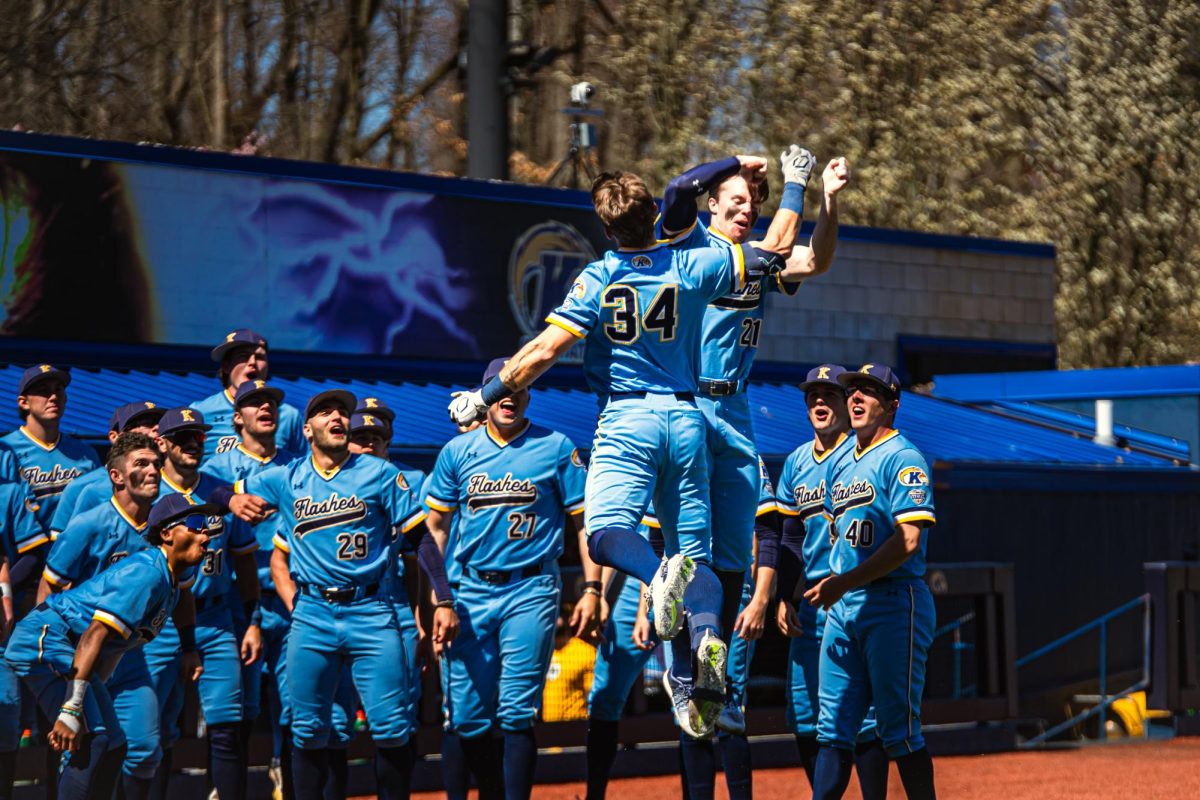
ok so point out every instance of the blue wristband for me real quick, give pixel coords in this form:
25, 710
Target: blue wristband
793, 198
494, 391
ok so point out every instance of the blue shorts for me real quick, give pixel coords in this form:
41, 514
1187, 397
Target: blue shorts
618, 662
736, 482
495, 670
651, 448
874, 648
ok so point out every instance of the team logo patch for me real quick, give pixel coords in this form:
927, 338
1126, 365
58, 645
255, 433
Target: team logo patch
579, 288
577, 459
401, 482
642, 262
544, 264
484, 492
917, 495
913, 476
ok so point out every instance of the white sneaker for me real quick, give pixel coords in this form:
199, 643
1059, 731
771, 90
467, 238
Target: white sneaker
680, 694
666, 594
732, 719
708, 696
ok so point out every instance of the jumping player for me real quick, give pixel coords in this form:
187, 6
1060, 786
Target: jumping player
243, 357
343, 509
512, 486
38, 452
803, 486
639, 309
881, 617
65, 647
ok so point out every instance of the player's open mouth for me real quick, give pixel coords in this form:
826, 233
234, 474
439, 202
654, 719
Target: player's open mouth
821, 414
337, 430
509, 406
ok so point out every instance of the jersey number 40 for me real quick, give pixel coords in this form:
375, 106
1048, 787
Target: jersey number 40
628, 323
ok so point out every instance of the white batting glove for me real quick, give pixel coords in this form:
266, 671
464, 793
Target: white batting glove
466, 407
797, 165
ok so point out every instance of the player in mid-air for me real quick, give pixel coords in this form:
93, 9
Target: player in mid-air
881, 616
64, 649
639, 308
803, 486
243, 357
329, 566
499, 499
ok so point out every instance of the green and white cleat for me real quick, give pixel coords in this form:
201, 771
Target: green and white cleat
666, 594
708, 696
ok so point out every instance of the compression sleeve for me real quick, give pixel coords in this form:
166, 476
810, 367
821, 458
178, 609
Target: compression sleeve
766, 528
681, 194
791, 558
434, 565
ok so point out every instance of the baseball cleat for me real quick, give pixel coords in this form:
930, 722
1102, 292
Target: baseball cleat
666, 594
708, 696
679, 692
732, 719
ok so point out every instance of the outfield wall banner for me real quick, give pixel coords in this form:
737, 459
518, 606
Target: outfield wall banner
132, 252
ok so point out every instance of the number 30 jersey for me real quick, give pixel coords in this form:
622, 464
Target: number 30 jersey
870, 492
343, 521
641, 313
511, 498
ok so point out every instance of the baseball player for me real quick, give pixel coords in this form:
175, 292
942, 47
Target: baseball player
243, 357
880, 613
38, 453
141, 417
803, 486
330, 570
66, 646
639, 310
512, 486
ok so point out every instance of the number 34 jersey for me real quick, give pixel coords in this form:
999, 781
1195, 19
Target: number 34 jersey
641, 313
870, 492
510, 498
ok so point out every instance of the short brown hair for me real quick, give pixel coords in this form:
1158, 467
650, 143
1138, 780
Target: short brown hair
760, 192
125, 444
626, 207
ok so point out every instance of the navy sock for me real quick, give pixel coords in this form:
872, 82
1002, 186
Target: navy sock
601, 752
108, 773
455, 776
831, 775
683, 781
310, 771
735, 758
226, 769
871, 766
807, 747
916, 773
285, 763
624, 549
699, 766
393, 771
162, 776
133, 788
681, 658
8, 773
520, 760
703, 601
339, 775
482, 753
731, 599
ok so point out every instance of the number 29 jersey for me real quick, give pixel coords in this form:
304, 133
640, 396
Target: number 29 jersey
870, 492
641, 313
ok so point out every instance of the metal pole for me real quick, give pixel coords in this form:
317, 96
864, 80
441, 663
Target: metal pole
487, 92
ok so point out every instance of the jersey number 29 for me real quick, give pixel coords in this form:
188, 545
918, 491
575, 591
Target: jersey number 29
626, 328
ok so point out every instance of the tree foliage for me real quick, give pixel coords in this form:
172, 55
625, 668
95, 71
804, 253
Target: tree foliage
1067, 121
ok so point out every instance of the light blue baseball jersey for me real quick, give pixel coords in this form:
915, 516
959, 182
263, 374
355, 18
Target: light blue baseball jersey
92, 542
134, 599
342, 521
803, 486
77, 497
637, 309
511, 498
48, 468
873, 490
22, 533
732, 322
218, 412
214, 575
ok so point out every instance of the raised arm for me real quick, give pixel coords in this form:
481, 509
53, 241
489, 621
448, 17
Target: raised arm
796, 164
817, 257
681, 194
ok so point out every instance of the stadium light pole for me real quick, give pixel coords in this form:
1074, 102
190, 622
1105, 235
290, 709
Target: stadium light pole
487, 90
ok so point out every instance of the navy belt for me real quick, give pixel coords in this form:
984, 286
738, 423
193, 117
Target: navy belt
339, 594
721, 388
685, 396
499, 577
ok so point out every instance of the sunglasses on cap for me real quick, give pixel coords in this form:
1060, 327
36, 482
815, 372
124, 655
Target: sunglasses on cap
195, 522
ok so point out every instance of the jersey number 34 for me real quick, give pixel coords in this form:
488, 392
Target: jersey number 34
628, 322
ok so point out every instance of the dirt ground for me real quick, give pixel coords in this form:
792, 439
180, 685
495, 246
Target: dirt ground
1160, 770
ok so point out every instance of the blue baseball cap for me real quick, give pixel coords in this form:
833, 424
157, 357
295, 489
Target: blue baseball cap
371, 422
41, 372
345, 399
826, 374
493, 369
127, 413
880, 375
255, 387
175, 508
181, 419
375, 407
241, 337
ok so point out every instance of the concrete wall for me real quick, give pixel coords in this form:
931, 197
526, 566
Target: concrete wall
875, 292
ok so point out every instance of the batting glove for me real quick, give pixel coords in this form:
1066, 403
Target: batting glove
466, 407
797, 165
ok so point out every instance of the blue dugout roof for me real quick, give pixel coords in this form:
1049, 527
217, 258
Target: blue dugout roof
944, 431
1080, 384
